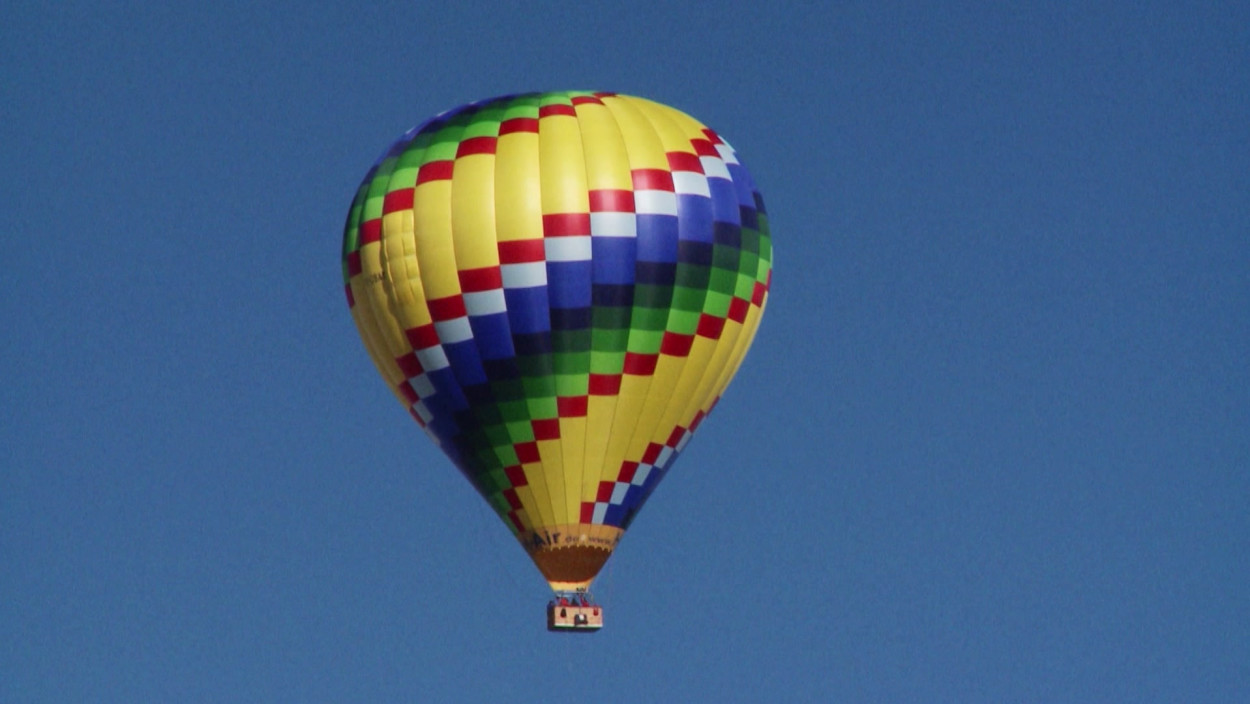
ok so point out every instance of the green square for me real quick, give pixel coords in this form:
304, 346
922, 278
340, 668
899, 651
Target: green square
513, 411
485, 126
717, 304
726, 257
506, 455
652, 296
533, 365
746, 286
543, 407
650, 318
691, 276
497, 435
645, 341
520, 431
538, 387
607, 362
610, 317
688, 299
572, 384
554, 99
525, 106
684, 322
722, 281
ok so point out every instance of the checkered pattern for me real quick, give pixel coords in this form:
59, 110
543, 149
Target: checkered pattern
497, 334
617, 502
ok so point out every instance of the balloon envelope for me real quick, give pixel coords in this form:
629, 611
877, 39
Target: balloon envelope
559, 287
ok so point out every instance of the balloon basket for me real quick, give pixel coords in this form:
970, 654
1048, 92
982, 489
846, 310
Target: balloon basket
575, 614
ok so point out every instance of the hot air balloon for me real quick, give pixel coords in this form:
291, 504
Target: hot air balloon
558, 287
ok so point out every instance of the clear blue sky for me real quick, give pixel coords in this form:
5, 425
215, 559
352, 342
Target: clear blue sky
992, 443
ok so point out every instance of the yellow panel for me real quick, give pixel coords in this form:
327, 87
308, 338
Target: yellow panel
629, 404
518, 195
722, 358
473, 212
539, 496
600, 413
563, 168
607, 162
667, 373
696, 367
551, 474
573, 439
432, 231
672, 136
645, 151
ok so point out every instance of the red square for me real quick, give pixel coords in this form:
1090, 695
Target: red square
640, 364
527, 452
711, 326
566, 224
757, 295
628, 469
698, 418
370, 231
588, 511
605, 384
483, 279
353, 263
409, 365
556, 109
676, 345
571, 406
521, 251
610, 200
702, 147
516, 475
675, 436
422, 337
435, 171
605, 492
546, 428
684, 161
513, 500
652, 454
397, 200
476, 145
738, 309
518, 124
652, 180
405, 389
447, 308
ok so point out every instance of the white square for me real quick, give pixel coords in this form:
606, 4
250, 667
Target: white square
641, 474
433, 358
613, 225
421, 385
618, 493
568, 249
527, 275
714, 168
485, 302
691, 184
454, 330
655, 202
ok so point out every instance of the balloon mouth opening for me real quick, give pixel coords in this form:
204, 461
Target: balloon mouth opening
570, 556
571, 568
